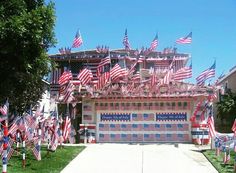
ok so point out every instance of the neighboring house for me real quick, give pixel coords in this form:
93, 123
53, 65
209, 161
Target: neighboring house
228, 81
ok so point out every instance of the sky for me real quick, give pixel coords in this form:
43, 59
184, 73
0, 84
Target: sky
103, 22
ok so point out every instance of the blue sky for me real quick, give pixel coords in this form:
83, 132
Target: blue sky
103, 22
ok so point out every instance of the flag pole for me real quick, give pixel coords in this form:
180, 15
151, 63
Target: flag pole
5, 140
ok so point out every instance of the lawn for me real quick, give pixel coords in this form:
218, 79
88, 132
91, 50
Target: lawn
217, 161
52, 162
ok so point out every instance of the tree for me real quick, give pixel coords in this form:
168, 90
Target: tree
227, 107
26, 33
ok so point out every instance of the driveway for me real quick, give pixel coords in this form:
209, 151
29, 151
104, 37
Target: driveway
137, 158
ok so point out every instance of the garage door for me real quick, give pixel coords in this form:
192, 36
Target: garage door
143, 127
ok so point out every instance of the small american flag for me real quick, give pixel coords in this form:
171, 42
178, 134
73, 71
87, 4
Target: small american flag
137, 117
126, 41
154, 43
36, 152
78, 40
182, 127
103, 127
185, 40
4, 108
148, 117
104, 137
114, 127
67, 128
211, 125
125, 127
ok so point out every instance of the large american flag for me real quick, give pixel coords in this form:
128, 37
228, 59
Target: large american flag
126, 41
206, 74
183, 73
185, 40
154, 43
85, 76
77, 40
65, 77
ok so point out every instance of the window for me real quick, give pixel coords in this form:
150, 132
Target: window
111, 104
158, 135
179, 104
185, 104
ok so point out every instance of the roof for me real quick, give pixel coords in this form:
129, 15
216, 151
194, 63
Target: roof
231, 72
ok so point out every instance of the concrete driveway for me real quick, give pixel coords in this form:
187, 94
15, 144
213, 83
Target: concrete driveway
136, 158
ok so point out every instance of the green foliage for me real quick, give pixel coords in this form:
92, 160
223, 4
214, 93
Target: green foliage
52, 162
26, 33
227, 107
217, 161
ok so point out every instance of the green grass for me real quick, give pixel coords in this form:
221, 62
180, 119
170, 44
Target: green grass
52, 162
217, 161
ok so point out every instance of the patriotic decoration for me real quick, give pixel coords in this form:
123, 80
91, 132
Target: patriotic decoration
211, 125
183, 73
154, 43
85, 76
126, 41
65, 77
67, 128
78, 40
102, 64
4, 108
185, 40
206, 74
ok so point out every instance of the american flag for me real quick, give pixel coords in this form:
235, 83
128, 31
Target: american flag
183, 73
125, 127
65, 77
103, 127
137, 137
154, 43
115, 137
114, 127
211, 125
85, 76
148, 137
234, 127
185, 40
102, 80
126, 137
101, 65
36, 152
4, 108
167, 78
87, 108
137, 117
67, 128
206, 74
14, 126
104, 137
126, 41
148, 117
182, 127
117, 72
77, 40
